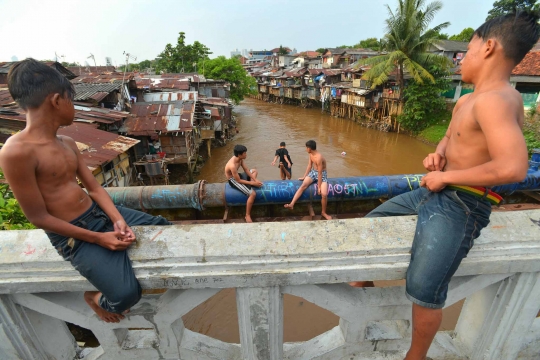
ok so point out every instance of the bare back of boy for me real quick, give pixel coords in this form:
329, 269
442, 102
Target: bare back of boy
46, 174
319, 162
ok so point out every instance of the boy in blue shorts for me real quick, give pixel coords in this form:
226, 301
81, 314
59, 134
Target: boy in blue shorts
483, 147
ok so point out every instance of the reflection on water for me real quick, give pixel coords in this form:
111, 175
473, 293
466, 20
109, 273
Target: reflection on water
368, 152
262, 127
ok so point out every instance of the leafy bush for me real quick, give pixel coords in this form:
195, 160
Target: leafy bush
11, 215
423, 104
531, 140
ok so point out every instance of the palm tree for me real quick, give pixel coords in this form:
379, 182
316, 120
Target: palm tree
406, 43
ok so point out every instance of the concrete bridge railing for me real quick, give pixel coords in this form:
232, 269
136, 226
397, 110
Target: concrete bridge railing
500, 280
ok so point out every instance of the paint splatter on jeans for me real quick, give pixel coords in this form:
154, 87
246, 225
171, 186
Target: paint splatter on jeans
448, 223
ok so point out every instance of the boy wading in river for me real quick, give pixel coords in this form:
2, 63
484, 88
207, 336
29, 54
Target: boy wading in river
483, 147
315, 172
242, 182
42, 169
285, 163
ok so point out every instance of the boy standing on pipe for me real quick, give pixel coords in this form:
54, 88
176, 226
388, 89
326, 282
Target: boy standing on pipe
42, 169
242, 182
315, 172
483, 147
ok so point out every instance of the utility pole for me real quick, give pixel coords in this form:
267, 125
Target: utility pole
122, 91
92, 56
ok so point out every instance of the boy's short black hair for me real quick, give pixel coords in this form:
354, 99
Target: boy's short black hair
282, 143
517, 33
31, 81
311, 144
239, 150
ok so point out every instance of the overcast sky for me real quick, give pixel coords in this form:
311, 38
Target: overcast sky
74, 28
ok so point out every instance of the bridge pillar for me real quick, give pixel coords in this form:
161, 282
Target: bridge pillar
260, 316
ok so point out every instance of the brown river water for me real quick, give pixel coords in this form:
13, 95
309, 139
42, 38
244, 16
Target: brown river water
369, 152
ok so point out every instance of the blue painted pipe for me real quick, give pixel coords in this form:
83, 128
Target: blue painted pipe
350, 188
201, 195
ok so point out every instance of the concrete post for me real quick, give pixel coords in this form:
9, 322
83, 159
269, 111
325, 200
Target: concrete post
260, 316
21, 330
494, 321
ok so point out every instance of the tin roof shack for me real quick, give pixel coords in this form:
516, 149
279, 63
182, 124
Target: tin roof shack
220, 112
350, 56
213, 88
104, 153
106, 95
453, 50
330, 57
104, 119
5, 66
526, 78
164, 82
91, 70
170, 123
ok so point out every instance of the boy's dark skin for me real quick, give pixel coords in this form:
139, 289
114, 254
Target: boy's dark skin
317, 162
282, 172
231, 171
42, 169
483, 146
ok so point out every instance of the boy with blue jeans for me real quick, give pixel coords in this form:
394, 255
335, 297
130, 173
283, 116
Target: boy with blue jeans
42, 169
483, 147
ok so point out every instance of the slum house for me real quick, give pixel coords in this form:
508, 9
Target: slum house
330, 57
104, 153
91, 70
104, 95
213, 88
172, 124
312, 78
351, 56
5, 66
220, 113
454, 51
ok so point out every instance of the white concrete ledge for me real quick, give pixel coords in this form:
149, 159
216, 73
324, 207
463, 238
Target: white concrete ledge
269, 254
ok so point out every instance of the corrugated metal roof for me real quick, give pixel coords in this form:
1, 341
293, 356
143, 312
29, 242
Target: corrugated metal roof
160, 83
103, 78
85, 70
99, 146
155, 117
451, 45
171, 96
97, 92
5, 97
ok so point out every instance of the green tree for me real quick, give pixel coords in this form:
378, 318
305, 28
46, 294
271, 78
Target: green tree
181, 57
503, 7
465, 35
11, 215
320, 50
423, 104
282, 51
442, 36
231, 71
407, 41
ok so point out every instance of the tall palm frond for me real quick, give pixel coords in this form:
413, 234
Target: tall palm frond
407, 41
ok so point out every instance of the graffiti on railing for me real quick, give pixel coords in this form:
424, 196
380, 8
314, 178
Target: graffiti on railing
411, 179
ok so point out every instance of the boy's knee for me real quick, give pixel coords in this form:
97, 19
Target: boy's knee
127, 297
160, 220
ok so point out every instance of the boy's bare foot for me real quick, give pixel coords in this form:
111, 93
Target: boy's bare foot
288, 206
92, 299
362, 284
326, 216
248, 219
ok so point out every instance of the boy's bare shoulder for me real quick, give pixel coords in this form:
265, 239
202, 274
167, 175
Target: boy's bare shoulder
493, 102
16, 149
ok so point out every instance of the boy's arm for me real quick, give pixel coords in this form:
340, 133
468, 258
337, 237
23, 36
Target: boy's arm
99, 195
308, 169
318, 165
236, 176
497, 117
19, 166
275, 159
